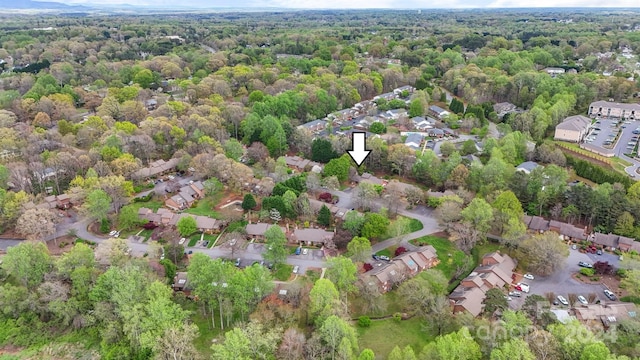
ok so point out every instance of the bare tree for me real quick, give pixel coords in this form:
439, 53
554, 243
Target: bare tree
37, 224
293, 345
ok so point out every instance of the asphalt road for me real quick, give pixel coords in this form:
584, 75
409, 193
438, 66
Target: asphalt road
561, 282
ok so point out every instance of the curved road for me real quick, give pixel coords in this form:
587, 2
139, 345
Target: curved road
253, 252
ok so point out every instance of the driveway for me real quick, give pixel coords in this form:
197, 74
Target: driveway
561, 282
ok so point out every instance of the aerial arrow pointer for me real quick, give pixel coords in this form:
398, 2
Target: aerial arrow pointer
358, 144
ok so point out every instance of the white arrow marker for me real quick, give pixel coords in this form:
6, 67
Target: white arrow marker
358, 150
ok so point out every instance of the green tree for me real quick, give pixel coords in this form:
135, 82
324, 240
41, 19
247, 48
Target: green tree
80, 256
454, 346
97, 204
322, 151
353, 222
514, 349
494, 300
479, 214
402, 354
324, 216
375, 225
237, 345
456, 106
128, 218
186, 225
249, 202
28, 262
416, 108
338, 167
334, 332
324, 300
359, 248
276, 241
595, 351
367, 354
144, 78
378, 128
233, 149
624, 225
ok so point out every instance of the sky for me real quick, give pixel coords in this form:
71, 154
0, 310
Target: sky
366, 4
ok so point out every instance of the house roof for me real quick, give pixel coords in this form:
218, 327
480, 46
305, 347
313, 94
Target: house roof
597, 311
314, 123
436, 131
575, 123
539, 223
156, 167
468, 298
257, 229
610, 240
428, 251
312, 235
385, 273
527, 166
572, 231
408, 261
437, 109
607, 104
205, 222
414, 138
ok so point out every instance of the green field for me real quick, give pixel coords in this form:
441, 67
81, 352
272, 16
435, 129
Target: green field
383, 335
282, 272
203, 207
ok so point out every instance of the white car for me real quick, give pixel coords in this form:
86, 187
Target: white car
295, 269
113, 232
508, 298
528, 276
562, 300
116, 234
182, 241
582, 300
305, 251
522, 287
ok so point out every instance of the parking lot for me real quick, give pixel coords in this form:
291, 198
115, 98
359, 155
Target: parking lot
561, 282
604, 131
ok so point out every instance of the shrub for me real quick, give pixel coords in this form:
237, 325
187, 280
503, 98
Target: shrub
367, 267
104, 226
397, 317
364, 321
587, 272
401, 250
143, 198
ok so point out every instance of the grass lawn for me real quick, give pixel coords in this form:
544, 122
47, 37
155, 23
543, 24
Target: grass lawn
393, 305
415, 225
448, 254
383, 335
146, 234
151, 204
282, 272
385, 252
203, 207
211, 239
206, 333
194, 239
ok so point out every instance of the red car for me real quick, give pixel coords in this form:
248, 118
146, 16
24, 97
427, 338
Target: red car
519, 288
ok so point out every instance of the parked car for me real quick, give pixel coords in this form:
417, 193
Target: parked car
384, 257
238, 262
206, 243
585, 265
117, 234
305, 251
522, 287
528, 276
515, 293
375, 257
608, 293
582, 300
295, 269
298, 250
599, 252
562, 300
182, 241
508, 298
113, 232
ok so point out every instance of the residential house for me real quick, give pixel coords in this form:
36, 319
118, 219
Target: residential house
344, 114
155, 168
494, 271
314, 126
554, 71
62, 202
185, 197
438, 112
315, 237
504, 108
607, 314
369, 178
573, 129
422, 124
181, 283
437, 133
385, 276
414, 141
609, 241
539, 224
402, 89
387, 96
572, 233
614, 110
527, 167
301, 164
256, 231
165, 217
405, 265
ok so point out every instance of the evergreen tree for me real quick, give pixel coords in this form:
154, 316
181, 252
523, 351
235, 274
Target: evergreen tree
249, 202
324, 216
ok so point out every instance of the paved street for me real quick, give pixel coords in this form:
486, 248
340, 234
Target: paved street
561, 282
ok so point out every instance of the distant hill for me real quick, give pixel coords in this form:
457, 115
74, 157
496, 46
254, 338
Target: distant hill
30, 4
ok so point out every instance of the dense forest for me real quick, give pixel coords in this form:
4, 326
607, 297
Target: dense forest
87, 102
